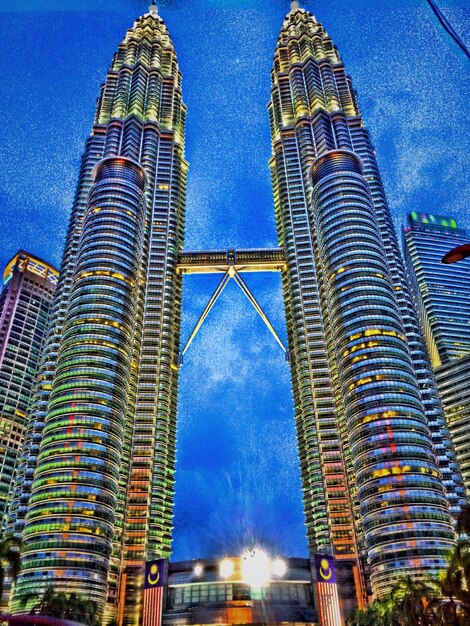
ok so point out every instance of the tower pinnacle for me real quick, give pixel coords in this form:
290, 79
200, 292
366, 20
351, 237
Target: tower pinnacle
294, 5
153, 9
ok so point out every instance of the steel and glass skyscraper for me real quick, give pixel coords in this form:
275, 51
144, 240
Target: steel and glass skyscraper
95, 489
442, 294
452, 382
442, 291
377, 465
25, 301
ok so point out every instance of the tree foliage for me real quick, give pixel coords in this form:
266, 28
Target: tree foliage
9, 559
68, 606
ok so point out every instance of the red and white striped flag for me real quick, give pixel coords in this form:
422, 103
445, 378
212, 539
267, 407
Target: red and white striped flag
329, 613
153, 593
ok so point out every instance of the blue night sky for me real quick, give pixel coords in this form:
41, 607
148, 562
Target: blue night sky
237, 471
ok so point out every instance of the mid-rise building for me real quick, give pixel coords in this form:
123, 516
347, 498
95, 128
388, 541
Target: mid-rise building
205, 596
25, 300
251, 589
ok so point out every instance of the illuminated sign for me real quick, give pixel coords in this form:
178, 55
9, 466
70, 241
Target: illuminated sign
436, 220
326, 591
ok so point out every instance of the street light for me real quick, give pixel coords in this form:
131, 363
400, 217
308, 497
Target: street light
457, 254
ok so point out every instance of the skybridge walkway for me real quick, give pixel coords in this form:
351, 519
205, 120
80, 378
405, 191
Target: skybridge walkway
231, 263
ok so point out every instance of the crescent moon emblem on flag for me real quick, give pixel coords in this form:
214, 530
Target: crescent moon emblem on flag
154, 575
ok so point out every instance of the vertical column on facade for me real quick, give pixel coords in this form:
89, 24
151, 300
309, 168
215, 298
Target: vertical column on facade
407, 525
150, 497
303, 325
70, 522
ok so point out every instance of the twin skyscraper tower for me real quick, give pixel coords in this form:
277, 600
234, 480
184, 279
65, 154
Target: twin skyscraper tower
94, 492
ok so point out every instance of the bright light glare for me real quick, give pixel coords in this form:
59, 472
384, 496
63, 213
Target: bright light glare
256, 568
198, 570
226, 568
279, 568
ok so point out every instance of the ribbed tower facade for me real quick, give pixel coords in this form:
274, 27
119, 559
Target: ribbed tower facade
94, 497
377, 465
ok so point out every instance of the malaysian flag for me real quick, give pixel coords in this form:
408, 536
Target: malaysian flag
327, 591
153, 593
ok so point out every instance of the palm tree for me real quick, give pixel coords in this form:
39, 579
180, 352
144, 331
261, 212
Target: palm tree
463, 521
409, 603
364, 617
410, 600
379, 613
81, 610
458, 576
9, 559
52, 604
445, 607
455, 582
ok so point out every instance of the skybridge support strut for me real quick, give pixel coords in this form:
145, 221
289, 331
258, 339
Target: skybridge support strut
244, 287
232, 273
215, 296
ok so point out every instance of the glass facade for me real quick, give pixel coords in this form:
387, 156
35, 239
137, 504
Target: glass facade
223, 592
94, 495
25, 301
93, 499
442, 291
402, 500
442, 294
75, 487
452, 381
377, 466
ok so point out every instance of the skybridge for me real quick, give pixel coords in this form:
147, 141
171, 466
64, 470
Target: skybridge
231, 263
219, 261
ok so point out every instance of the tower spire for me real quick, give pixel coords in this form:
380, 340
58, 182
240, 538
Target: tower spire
153, 10
294, 5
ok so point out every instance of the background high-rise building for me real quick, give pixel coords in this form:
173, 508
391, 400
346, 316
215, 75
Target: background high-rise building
452, 382
442, 294
442, 291
369, 420
25, 300
94, 497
